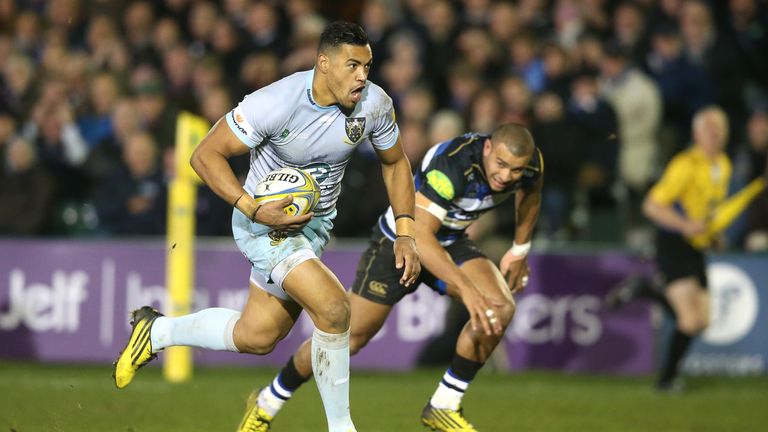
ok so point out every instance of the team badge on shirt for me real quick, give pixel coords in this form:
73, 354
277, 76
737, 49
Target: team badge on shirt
354, 127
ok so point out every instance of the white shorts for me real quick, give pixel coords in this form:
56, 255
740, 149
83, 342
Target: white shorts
273, 254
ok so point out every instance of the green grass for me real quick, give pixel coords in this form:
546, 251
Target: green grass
82, 399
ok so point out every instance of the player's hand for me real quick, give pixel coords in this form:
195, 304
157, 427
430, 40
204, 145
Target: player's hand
515, 270
272, 215
482, 313
694, 228
407, 258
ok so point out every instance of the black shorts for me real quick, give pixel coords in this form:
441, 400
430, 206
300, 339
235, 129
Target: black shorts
677, 259
378, 280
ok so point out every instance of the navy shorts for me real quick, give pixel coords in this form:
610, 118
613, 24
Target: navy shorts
378, 280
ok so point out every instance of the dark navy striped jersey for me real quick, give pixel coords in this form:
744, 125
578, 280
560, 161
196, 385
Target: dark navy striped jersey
452, 176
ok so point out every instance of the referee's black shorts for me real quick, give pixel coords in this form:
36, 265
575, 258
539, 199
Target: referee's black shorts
378, 280
677, 259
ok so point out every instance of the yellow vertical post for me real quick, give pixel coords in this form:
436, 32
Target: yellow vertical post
180, 240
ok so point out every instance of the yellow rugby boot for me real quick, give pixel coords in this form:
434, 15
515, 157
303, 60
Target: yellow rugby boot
138, 351
255, 419
445, 420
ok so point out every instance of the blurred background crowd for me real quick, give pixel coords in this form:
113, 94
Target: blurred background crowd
90, 90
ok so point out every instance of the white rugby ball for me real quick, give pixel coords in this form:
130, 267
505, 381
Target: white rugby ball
289, 181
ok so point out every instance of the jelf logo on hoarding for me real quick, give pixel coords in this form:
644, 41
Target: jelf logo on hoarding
734, 304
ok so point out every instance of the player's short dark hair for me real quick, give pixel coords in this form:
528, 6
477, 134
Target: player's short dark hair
339, 33
516, 137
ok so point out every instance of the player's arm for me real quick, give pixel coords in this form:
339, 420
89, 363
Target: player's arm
657, 205
514, 263
398, 180
664, 215
429, 218
210, 162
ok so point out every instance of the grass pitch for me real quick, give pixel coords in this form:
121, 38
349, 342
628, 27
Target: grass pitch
83, 398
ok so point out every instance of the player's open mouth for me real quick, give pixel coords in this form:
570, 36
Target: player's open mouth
356, 93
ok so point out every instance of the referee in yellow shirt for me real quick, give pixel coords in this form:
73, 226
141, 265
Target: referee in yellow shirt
681, 204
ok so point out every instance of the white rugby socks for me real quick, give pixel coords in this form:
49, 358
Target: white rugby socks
272, 398
455, 382
211, 328
449, 392
330, 364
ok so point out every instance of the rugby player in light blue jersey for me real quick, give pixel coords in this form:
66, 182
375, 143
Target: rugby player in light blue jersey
311, 120
458, 181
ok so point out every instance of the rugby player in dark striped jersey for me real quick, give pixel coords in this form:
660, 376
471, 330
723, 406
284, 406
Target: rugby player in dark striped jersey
458, 181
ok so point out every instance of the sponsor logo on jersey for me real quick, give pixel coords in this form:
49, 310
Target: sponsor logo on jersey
441, 184
354, 127
320, 171
237, 120
285, 133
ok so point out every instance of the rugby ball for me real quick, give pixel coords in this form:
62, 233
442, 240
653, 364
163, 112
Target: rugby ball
289, 181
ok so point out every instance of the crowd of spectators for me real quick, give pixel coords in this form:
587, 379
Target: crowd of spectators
90, 90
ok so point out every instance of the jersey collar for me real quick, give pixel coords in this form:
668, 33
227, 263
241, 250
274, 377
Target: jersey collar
310, 99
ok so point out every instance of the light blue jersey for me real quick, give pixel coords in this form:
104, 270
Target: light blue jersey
284, 127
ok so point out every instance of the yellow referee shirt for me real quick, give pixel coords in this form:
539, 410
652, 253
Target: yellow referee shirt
694, 184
